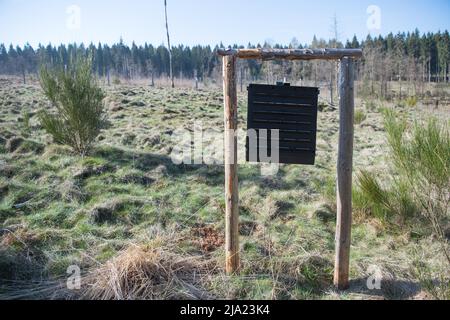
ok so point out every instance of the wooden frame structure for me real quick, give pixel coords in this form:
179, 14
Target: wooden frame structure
345, 152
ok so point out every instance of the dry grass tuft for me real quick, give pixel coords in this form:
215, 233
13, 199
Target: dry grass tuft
145, 273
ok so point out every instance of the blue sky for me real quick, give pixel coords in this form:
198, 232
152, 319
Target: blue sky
211, 21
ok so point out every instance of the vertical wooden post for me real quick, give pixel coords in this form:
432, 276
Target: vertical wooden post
231, 166
242, 79
344, 173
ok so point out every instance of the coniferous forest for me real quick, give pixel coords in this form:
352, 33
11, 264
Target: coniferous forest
411, 56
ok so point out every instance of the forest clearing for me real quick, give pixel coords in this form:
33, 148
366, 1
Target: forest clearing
139, 226
233, 159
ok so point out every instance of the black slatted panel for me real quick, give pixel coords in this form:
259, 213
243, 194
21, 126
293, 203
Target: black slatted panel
291, 110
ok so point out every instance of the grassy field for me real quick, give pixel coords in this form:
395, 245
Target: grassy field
139, 226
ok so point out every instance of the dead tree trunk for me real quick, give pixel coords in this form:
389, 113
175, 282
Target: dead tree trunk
196, 79
169, 47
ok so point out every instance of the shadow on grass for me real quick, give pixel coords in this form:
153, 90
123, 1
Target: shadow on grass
212, 175
143, 161
391, 289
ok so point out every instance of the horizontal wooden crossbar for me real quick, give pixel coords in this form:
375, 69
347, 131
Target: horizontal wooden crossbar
292, 54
